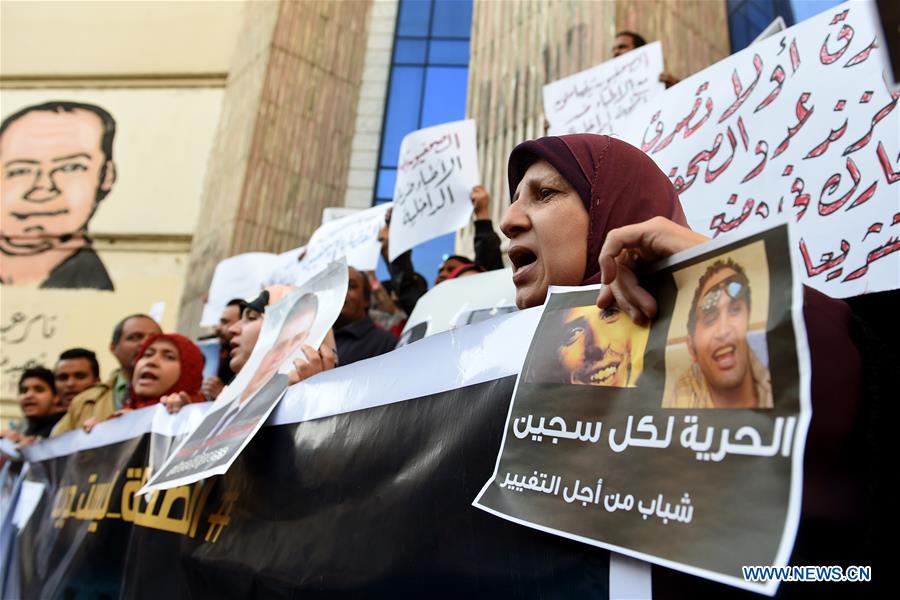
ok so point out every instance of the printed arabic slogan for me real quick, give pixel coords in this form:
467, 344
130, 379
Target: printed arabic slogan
801, 124
679, 443
595, 100
437, 169
304, 317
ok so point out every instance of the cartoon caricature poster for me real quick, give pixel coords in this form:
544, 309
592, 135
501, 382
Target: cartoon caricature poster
100, 196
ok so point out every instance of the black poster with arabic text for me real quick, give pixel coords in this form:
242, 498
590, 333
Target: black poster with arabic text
679, 442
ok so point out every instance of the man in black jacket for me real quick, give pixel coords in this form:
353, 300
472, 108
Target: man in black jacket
407, 286
356, 335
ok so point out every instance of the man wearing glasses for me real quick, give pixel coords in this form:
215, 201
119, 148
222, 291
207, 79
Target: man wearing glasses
725, 372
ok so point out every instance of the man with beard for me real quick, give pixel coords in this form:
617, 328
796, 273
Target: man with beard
725, 373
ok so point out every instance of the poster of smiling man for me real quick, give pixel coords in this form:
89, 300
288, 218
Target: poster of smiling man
609, 440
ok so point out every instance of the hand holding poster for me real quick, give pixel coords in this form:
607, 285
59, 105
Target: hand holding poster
438, 167
680, 443
801, 123
594, 100
302, 318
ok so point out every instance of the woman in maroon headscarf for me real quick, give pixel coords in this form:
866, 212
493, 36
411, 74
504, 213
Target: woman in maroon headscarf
168, 371
589, 209
568, 193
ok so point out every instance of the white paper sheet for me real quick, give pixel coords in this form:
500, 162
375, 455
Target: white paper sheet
801, 123
595, 100
438, 167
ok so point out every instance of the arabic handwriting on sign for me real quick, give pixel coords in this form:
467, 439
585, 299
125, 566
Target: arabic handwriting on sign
741, 93
430, 191
21, 326
435, 146
889, 247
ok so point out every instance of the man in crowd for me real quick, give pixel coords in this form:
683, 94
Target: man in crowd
726, 372
103, 399
626, 41
356, 335
76, 370
409, 286
57, 167
487, 243
213, 385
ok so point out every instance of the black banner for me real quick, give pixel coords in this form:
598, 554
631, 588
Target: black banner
376, 501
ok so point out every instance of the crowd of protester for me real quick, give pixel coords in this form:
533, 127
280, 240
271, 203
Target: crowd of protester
157, 368
584, 209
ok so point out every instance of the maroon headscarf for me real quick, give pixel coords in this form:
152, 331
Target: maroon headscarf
618, 184
191, 378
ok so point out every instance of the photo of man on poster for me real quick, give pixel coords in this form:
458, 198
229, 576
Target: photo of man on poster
589, 346
725, 372
258, 395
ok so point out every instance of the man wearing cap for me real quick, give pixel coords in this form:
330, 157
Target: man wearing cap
725, 372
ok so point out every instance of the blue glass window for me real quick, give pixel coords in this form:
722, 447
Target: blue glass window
411, 52
445, 95
414, 18
428, 84
748, 18
446, 52
452, 18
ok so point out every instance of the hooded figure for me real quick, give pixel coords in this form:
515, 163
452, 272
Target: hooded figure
190, 377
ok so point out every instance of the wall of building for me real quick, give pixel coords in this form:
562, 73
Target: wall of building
158, 69
283, 146
517, 48
92, 41
371, 106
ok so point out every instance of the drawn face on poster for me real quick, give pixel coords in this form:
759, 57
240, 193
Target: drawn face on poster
713, 308
584, 345
293, 333
57, 166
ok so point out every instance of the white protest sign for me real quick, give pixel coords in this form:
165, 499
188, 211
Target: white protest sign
592, 101
240, 276
286, 270
438, 167
461, 301
354, 237
801, 123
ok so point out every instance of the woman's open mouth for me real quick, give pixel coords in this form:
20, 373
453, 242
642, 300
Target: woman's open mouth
522, 260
